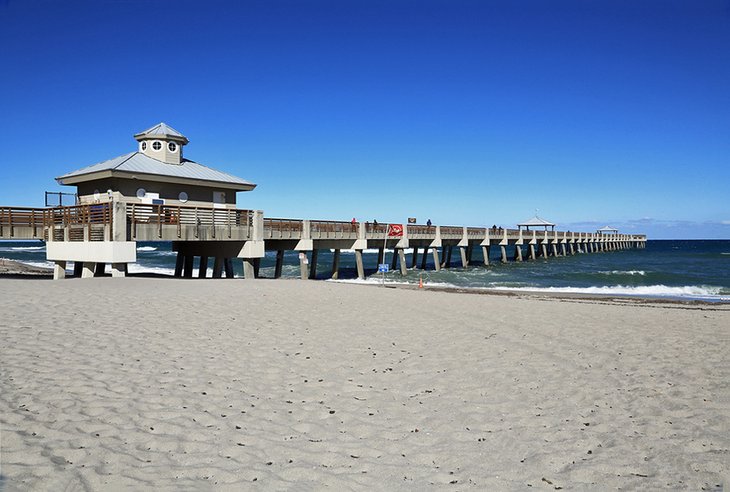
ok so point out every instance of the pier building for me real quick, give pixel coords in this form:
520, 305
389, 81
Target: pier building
156, 194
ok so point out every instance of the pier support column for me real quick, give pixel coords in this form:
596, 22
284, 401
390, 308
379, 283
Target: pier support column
179, 264
203, 267
424, 258
402, 261
78, 269
446, 260
313, 264
532, 256
555, 249
485, 254
464, 261
249, 270
518, 252
228, 265
544, 251
360, 265
303, 262
572, 249
336, 265
564, 249
394, 260
279, 263
88, 269
503, 248
469, 254
218, 267
381, 255
119, 269
414, 258
188, 267
99, 269
59, 270
256, 267
436, 261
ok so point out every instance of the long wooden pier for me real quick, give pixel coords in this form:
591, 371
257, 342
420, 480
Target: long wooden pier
95, 234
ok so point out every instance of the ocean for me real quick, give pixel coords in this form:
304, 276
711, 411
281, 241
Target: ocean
680, 269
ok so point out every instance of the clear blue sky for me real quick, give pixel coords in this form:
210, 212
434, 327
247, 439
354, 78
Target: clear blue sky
466, 112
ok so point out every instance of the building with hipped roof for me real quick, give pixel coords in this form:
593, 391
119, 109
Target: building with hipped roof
157, 173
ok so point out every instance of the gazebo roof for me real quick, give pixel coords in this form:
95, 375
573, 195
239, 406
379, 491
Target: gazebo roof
607, 229
136, 164
161, 130
536, 221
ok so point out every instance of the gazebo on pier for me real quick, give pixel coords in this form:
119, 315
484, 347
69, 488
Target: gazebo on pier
607, 230
536, 222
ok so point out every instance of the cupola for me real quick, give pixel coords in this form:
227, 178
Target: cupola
163, 143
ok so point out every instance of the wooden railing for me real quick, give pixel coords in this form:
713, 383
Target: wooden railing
283, 228
164, 217
91, 222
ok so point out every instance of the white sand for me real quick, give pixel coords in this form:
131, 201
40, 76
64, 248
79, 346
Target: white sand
162, 384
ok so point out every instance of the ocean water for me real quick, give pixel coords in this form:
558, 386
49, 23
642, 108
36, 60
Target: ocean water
686, 269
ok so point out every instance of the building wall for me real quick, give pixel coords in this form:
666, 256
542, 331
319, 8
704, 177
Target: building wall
163, 154
169, 192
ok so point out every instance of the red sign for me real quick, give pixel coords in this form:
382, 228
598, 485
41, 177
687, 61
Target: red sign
395, 230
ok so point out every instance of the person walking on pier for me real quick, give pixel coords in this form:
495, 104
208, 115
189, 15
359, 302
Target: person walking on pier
428, 223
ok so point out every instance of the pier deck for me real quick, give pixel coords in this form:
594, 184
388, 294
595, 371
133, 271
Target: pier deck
102, 233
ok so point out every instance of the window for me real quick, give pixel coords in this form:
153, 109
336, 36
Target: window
172, 146
156, 145
141, 193
143, 146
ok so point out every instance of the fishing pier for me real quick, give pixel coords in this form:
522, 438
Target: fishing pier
95, 235
155, 194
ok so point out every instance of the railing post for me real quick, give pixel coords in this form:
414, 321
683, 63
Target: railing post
159, 221
197, 223
10, 221
179, 220
118, 214
212, 218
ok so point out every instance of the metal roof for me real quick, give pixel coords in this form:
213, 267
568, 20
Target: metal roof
137, 162
607, 229
161, 129
536, 221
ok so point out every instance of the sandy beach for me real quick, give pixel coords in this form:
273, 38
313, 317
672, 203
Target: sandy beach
167, 384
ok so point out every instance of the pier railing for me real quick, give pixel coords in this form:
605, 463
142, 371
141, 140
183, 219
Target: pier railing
283, 228
91, 222
149, 222
152, 222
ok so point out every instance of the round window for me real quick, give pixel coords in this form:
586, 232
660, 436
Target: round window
143, 146
141, 193
172, 146
156, 145
183, 197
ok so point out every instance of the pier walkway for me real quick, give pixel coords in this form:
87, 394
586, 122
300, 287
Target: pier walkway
95, 234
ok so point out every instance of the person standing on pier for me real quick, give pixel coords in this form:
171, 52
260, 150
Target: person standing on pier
428, 223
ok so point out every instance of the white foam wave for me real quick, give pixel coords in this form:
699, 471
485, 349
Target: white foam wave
408, 251
689, 291
28, 248
146, 248
701, 292
623, 272
137, 268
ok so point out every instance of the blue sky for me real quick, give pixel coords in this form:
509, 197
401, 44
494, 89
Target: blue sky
466, 112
